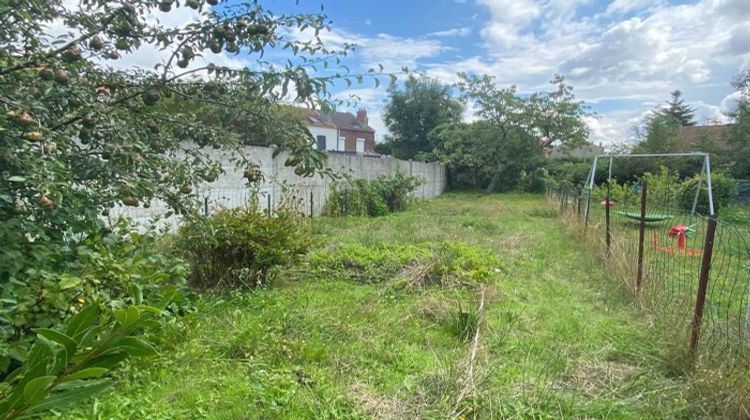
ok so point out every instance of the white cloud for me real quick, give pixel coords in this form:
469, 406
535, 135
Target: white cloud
628, 6
455, 32
655, 48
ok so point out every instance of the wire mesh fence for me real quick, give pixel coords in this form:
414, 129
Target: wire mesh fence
692, 270
308, 199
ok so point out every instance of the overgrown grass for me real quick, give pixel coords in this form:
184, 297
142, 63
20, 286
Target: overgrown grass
377, 322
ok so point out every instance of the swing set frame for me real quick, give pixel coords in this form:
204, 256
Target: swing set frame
705, 169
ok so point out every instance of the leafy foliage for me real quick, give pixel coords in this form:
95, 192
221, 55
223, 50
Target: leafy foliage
48, 283
511, 133
723, 190
66, 366
413, 112
677, 110
80, 135
241, 247
375, 197
740, 132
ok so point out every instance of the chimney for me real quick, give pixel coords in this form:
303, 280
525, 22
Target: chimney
362, 116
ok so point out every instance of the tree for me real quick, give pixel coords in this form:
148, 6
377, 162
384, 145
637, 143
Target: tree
479, 154
512, 131
658, 135
78, 136
413, 112
677, 110
739, 137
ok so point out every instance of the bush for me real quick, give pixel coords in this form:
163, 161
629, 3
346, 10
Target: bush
68, 365
107, 267
723, 190
372, 198
241, 247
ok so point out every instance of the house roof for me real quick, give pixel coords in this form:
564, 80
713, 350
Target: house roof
316, 119
347, 121
340, 120
690, 137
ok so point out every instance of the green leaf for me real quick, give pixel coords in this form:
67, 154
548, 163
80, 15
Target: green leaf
82, 320
94, 372
72, 396
58, 337
36, 389
68, 282
16, 178
134, 347
106, 361
121, 315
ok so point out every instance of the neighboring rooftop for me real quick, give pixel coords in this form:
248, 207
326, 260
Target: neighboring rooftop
340, 120
691, 137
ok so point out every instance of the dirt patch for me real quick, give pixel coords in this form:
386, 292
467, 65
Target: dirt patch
599, 377
375, 405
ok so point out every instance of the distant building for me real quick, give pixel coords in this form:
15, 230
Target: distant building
341, 131
586, 151
703, 138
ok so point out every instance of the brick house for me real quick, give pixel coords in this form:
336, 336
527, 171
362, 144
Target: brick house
353, 134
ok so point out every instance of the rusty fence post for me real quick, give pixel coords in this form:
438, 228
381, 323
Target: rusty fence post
641, 236
607, 232
700, 299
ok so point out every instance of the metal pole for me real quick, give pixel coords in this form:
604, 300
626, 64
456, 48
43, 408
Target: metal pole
591, 188
698, 190
205, 206
311, 203
607, 232
641, 236
711, 210
268, 204
700, 299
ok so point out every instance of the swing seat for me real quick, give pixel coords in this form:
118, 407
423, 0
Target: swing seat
653, 217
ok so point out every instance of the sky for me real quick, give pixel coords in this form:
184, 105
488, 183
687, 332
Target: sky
623, 57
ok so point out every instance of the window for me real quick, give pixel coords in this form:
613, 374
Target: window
342, 144
360, 145
321, 142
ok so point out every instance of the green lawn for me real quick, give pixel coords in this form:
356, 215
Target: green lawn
378, 322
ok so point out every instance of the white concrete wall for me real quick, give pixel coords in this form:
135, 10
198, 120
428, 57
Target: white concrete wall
280, 183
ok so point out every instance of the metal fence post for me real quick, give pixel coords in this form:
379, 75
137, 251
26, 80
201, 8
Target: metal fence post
607, 232
311, 203
205, 206
700, 299
641, 236
268, 204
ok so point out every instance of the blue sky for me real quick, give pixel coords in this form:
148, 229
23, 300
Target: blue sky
623, 57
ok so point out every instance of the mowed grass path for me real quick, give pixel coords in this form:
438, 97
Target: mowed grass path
557, 338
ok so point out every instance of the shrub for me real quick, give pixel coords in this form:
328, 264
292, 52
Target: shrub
106, 267
68, 365
241, 247
723, 190
372, 198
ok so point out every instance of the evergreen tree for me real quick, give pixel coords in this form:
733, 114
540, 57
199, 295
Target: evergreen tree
678, 110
